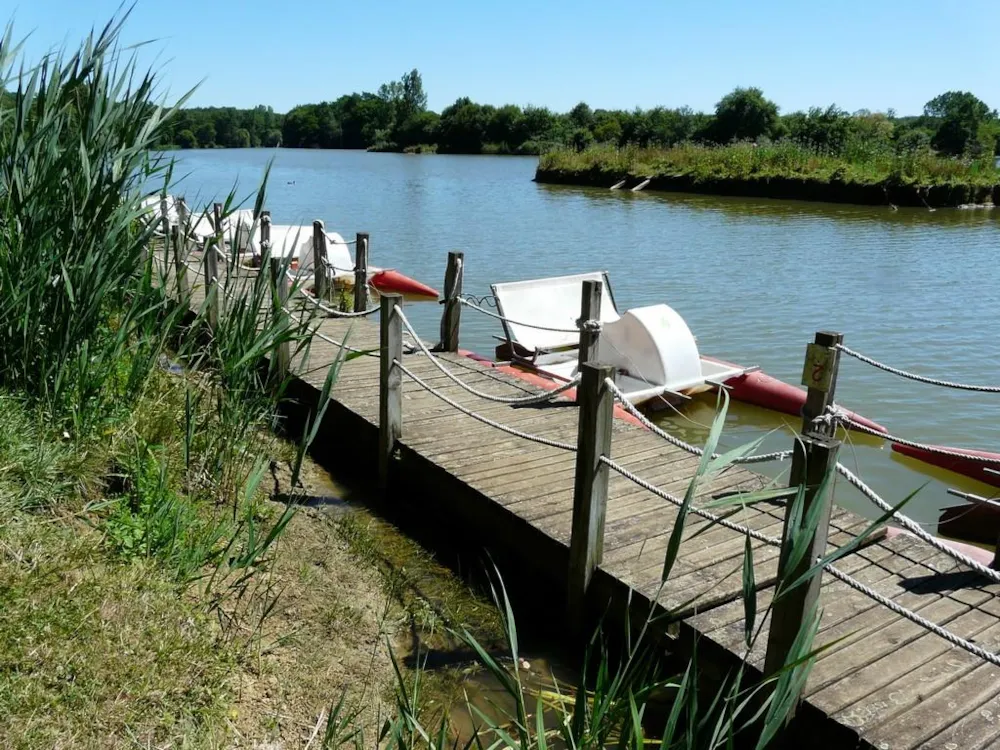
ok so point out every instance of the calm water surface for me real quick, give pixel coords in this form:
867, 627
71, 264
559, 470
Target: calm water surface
754, 279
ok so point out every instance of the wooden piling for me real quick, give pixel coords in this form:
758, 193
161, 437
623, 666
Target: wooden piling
590, 489
210, 269
265, 237
220, 239
180, 268
814, 460
361, 272
590, 309
322, 288
279, 295
451, 318
183, 221
165, 223
390, 392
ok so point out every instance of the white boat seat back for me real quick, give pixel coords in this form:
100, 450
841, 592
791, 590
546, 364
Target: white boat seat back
288, 240
654, 345
554, 303
338, 255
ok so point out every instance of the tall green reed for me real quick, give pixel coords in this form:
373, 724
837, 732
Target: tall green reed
76, 311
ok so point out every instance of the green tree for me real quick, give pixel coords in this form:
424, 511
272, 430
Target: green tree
243, 138
744, 114
206, 134
581, 139
607, 127
506, 125
961, 116
462, 129
538, 123
417, 129
582, 116
414, 100
186, 139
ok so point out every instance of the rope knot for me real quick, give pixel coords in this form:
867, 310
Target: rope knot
591, 326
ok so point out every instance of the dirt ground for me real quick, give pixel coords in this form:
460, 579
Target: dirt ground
327, 636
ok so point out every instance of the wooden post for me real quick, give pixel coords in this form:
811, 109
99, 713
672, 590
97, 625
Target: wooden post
265, 237
220, 240
590, 489
212, 289
165, 221
361, 272
279, 292
390, 392
452, 317
183, 219
319, 261
180, 269
819, 374
590, 309
814, 458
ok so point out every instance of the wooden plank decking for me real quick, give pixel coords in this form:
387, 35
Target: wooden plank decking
887, 683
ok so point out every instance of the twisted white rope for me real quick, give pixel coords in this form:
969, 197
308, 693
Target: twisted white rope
337, 313
196, 271
485, 420
692, 449
835, 572
914, 376
913, 617
586, 325
916, 529
912, 444
512, 400
774, 541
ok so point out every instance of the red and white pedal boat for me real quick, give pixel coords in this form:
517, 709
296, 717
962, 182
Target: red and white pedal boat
654, 353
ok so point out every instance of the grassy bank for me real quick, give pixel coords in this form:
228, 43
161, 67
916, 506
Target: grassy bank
782, 170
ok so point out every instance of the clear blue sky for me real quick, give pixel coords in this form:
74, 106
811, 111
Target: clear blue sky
871, 54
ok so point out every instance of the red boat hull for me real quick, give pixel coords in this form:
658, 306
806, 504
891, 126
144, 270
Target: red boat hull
968, 464
971, 523
389, 281
762, 390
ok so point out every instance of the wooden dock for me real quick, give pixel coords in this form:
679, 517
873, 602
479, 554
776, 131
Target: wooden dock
885, 683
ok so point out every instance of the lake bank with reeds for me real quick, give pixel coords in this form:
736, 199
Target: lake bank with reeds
785, 171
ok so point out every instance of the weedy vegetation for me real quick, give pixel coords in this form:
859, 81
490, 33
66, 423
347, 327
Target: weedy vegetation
863, 165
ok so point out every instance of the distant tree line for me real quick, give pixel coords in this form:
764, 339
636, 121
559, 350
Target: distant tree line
396, 118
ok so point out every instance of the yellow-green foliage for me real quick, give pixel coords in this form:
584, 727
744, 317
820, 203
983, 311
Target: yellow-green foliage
742, 161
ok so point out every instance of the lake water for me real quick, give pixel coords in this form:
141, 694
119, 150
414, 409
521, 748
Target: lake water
754, 279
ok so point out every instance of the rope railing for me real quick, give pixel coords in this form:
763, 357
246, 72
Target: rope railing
913, 617
196, 270
855, 425
857, 585
510, 400
589, 325
914, 528
914, 376
333, 312
479, 417
298, 277
694, 450
664, 495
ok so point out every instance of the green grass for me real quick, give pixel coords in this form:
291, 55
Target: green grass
746, 161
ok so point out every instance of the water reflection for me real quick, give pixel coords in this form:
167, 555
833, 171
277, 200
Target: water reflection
772, 209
